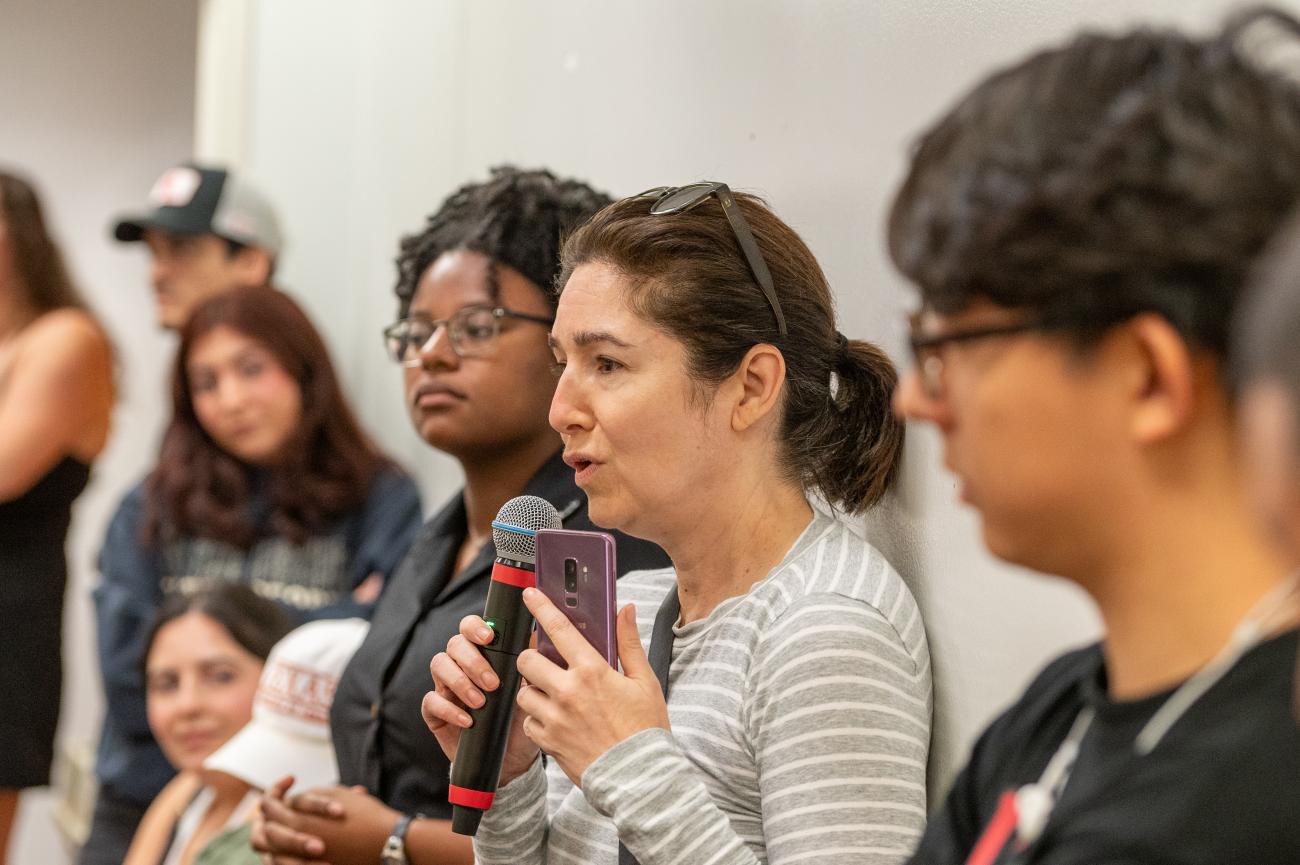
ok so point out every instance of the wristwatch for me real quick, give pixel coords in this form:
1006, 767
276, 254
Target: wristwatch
394, 852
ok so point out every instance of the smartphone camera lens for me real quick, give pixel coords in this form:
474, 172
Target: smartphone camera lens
571, 575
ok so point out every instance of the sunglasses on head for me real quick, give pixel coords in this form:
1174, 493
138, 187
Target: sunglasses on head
679, 199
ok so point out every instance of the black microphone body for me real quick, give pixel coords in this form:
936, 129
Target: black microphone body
477, 767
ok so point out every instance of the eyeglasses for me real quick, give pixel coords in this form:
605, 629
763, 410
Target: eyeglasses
473, 332
679, 199
927, 354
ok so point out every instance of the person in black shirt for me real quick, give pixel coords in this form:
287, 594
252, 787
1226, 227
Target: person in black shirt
472, 333
1079, 227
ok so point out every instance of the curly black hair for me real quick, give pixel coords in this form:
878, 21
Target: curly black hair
516, 217
1117, 174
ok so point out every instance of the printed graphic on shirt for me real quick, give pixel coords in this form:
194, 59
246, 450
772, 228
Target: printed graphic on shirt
307, 576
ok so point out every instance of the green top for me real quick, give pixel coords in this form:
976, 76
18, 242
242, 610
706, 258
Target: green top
231, 847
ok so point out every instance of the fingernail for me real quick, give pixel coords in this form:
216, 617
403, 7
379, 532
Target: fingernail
463, 719
315, 847
476, 699
485, 633
490, 679
530, 594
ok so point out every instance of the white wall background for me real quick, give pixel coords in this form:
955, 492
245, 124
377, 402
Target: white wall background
95, 99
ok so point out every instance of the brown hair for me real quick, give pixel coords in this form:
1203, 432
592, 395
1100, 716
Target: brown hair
37, 260
198, 489
690, 278
1115, 174
254, 622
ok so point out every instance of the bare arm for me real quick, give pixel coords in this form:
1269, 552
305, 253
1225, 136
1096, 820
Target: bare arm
57, 399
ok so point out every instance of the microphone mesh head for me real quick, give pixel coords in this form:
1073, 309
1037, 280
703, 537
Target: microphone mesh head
529, 513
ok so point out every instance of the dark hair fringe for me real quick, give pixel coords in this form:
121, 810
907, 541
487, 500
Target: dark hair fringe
1117, 174
516, 217
254, 622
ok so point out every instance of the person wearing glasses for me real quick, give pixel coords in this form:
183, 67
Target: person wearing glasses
1080, 227
264, 478
705, 396
474, 309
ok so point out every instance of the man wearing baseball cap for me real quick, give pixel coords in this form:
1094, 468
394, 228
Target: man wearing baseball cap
208, 231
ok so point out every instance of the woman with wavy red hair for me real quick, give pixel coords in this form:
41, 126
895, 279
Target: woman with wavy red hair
264, 478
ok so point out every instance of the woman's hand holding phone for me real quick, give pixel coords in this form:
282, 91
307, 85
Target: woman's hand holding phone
577, 714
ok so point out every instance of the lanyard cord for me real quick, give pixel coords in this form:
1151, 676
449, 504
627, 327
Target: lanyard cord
1035, 802
1245, 637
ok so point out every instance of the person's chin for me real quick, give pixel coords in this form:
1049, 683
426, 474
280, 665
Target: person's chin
606, 512
443, 433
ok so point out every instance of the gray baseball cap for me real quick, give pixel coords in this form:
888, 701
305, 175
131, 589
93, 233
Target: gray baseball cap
196, 199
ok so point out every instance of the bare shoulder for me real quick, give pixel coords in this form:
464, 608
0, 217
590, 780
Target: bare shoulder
67, 330
154, 832
178, 792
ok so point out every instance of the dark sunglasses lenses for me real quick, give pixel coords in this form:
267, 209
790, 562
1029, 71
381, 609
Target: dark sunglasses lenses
683, 198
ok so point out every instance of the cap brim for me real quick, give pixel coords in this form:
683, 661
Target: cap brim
130, 229
261, 755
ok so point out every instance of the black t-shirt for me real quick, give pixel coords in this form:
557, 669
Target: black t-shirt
380, 739
1221, 788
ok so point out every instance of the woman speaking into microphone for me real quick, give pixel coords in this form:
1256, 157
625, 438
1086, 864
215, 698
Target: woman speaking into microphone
705, 394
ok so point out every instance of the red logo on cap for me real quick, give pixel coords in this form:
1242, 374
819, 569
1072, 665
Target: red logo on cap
176, 187
297, 692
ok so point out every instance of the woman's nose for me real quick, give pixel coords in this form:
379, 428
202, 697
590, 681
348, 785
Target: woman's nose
568, 413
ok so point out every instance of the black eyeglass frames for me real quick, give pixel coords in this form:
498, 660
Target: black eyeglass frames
473, 332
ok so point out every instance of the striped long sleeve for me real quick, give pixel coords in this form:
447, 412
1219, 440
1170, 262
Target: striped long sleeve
800, 720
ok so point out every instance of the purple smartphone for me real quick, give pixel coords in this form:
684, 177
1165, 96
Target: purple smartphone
576, 571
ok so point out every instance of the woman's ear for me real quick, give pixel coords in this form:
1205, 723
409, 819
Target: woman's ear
1166, 396
758, 382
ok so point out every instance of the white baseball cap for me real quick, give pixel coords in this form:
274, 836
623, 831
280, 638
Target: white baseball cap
290, 730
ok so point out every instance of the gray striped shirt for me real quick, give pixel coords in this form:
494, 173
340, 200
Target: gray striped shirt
800, 717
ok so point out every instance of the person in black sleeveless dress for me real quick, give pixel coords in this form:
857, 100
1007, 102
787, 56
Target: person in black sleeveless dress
56, 400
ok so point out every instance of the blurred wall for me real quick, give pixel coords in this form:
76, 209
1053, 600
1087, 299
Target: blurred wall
95, 99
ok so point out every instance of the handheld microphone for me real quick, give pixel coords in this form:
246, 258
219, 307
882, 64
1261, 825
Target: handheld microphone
477, 766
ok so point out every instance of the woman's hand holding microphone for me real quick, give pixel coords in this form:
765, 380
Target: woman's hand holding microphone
574, 715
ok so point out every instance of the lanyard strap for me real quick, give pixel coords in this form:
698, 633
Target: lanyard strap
661, 655
1024, 812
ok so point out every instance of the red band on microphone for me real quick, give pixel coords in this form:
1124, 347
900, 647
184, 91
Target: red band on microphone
471, 798
514, 576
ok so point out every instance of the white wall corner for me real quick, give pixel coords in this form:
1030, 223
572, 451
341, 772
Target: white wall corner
223, 85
